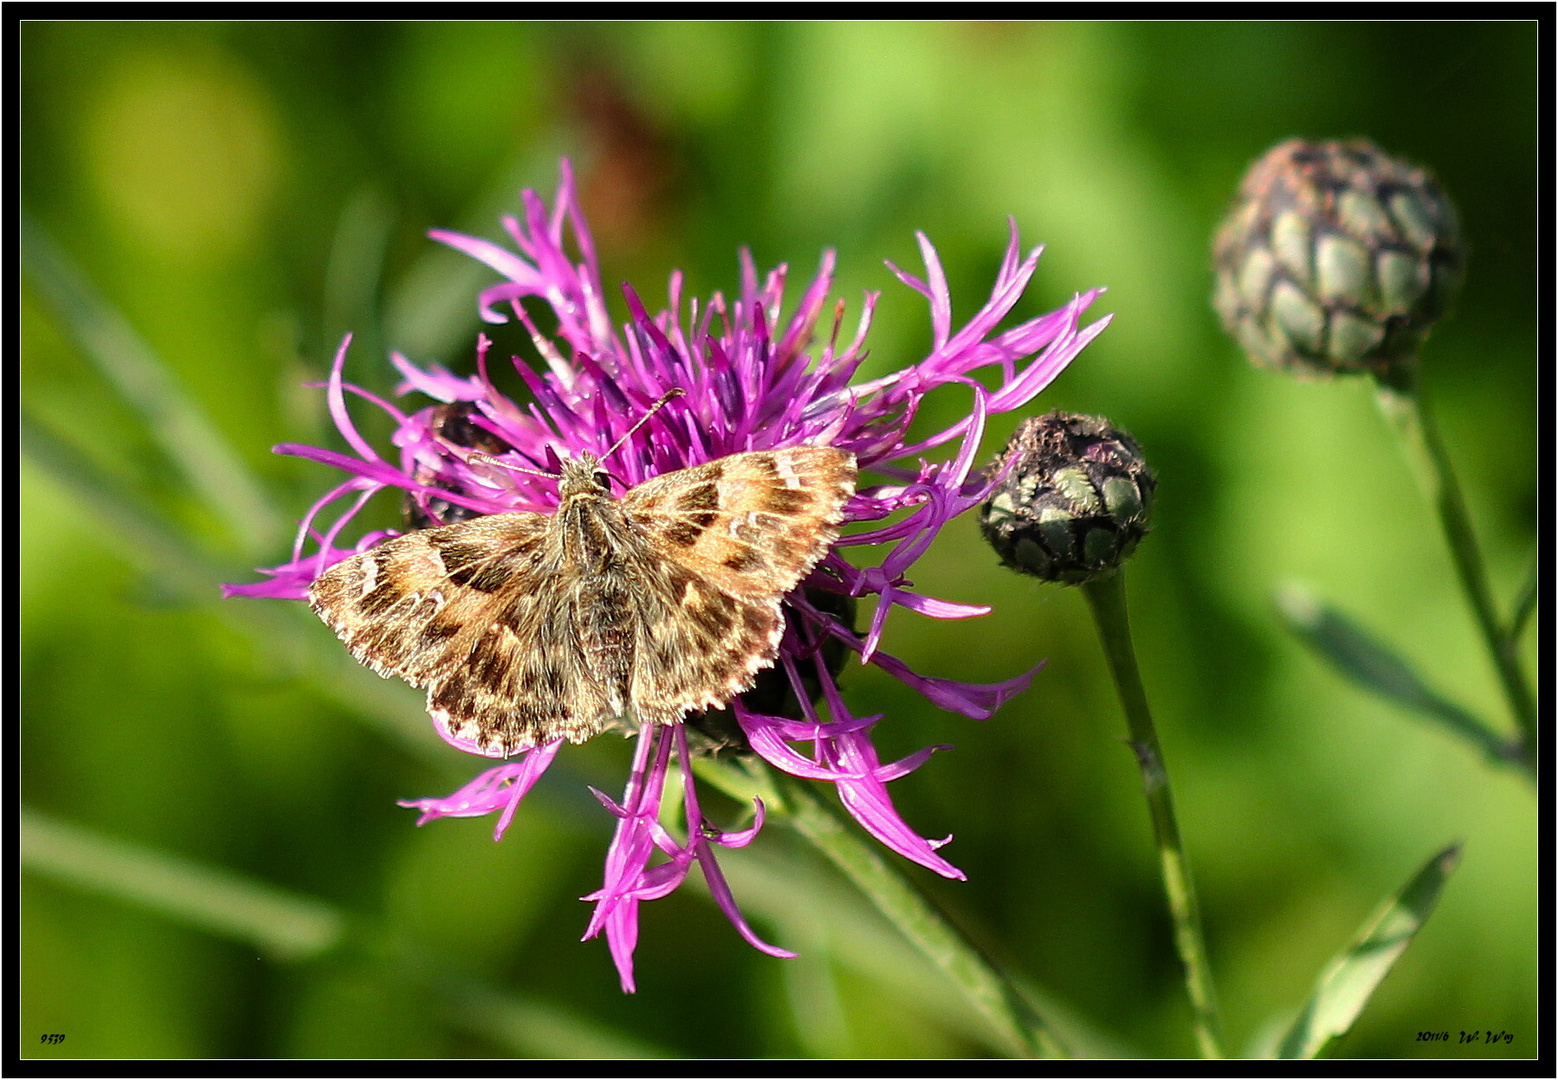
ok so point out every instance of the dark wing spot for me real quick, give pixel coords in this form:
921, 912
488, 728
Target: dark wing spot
757, 620
708, 472
744, 561
476, 565
788, 500
763, 463
684, 533
515, 614
487, 577
450, 693
383, 596
702, 497
492, 733
786, 550
458, 556
678, 581
488, 665
556, 683
712, 615
435, 633
704, 520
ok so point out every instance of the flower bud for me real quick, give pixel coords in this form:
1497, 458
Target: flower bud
1336, 258
1074, 502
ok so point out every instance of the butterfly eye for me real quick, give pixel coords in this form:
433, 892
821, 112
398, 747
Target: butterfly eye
602, 478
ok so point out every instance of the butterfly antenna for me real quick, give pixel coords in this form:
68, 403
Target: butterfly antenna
479, 458
476, 456
674, 392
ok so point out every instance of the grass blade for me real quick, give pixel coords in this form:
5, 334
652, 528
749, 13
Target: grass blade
534, 1029
280, 924
152, 543
186, 436
988, 987
1363, 660
429, 312
790, 894
1347, 983
289, 927
1525, 603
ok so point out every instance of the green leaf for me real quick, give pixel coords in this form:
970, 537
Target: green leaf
1347, 983
1364, 661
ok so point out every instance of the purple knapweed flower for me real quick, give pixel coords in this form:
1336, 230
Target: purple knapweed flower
751, 381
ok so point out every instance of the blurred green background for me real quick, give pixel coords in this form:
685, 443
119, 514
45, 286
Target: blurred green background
240, 195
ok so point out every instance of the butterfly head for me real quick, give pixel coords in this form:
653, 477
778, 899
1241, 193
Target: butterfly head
583, 475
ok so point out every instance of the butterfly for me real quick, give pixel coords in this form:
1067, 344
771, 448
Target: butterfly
608, 613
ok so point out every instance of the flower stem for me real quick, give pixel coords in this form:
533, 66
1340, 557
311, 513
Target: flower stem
991, 991
1107, 597
1400, 398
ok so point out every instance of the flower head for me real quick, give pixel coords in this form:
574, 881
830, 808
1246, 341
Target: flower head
1335, 259
751, 380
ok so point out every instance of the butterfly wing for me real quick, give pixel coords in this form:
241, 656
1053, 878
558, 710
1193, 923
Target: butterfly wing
517, 645
729, 539
484, 615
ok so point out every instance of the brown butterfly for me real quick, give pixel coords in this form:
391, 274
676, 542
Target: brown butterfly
529, 627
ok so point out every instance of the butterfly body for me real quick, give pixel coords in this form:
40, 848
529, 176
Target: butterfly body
526, 627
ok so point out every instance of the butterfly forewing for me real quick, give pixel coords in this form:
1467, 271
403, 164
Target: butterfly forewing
752, 524
525, 628
405, 606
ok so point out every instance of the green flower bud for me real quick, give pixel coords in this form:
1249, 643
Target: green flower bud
1074, 502
1336, 258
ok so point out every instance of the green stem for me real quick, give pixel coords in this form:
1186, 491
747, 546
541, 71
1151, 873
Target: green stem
1401, 399
1107, 597
988, 988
